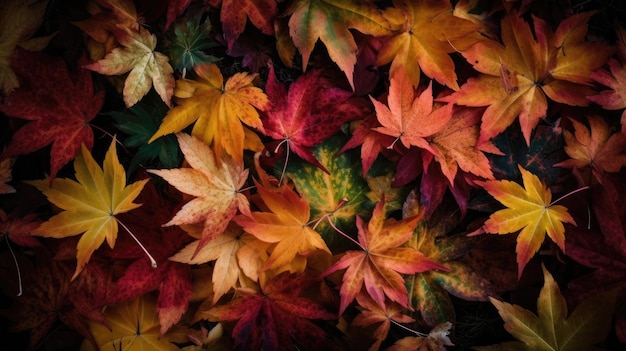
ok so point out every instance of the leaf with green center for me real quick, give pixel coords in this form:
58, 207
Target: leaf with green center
140, 122
188, 42
326, 191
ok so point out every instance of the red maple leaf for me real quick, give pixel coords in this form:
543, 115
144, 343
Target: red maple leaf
59, 105
276, 318
308, 112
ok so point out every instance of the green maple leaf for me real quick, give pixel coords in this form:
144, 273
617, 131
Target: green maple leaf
140, 122
188, 42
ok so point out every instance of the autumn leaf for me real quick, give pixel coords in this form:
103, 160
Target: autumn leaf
410, 117
456, 146
308, 112
231, 266
372, 143
276, 318
233, 14
594, 147
6, 166
18, 229
615, 97
379, 265
134, 326
372, 313
145, 67
19, 21
533, 63
430, 33
529, 209
215, 188
330, 21
218, 110
108, 19
89, 203
285, 224
58, 104
436, 340
339, 193
551, 328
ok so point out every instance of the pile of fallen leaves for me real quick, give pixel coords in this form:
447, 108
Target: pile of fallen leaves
313, 175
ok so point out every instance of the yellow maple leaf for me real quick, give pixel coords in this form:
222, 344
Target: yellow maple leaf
19, 20
215, 187
134, 326
218, 110
90, 203
145, 67
528, 209
551, 328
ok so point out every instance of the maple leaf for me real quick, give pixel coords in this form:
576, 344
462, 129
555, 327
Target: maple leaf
379, 264
18, 229
409, 117
601, 247
456, 146
225, 250
430, 33
233, 14
530, 66
134, 326
218, 109
615, 97
47, 300
215, 187
188, 41
145, 67
19, 20
373, 313
90, 203
594, 147
309, 112
276, 318
175, 8
140, 121
551, 328
436, 340
108, 19
330, 21
5, 176
59, 105
372, 142
286, 225
529, 209
429, 292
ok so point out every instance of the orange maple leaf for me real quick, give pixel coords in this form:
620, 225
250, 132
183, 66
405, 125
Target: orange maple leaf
528, 209
215, 187
530, 66
218, 110
410, 118
594, 147
430, 33
286, 226
379, 264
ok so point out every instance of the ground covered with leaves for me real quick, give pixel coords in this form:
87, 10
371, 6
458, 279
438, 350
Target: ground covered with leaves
313, 174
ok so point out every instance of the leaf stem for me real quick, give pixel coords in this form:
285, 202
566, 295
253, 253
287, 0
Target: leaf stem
17, 266
570, 193
408, 329
153, 263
